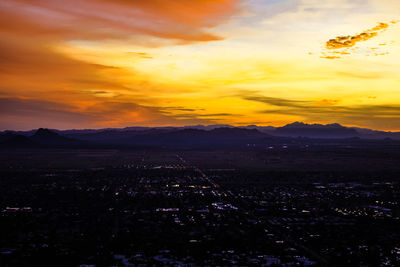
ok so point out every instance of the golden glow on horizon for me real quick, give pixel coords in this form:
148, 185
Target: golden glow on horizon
159, 63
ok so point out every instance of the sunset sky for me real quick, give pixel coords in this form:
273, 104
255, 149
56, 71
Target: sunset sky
117, 63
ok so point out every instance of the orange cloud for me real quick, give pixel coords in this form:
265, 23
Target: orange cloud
30, 113
42, 88
329, 57
36, 76
87, 19
345, 45
327, 102
350, 41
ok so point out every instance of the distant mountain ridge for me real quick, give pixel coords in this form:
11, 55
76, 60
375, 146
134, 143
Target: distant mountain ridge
300, 129
151, 137
187, 136
41, 138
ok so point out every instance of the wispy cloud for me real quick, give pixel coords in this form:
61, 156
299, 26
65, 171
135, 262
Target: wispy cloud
341, 45
99, 19
350, 41
27, 114
280, 102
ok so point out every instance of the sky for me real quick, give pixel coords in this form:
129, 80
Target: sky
119, 63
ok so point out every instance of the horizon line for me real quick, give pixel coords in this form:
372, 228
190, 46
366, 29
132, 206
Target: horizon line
197, 125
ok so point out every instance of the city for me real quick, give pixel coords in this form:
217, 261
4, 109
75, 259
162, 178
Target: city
161, 208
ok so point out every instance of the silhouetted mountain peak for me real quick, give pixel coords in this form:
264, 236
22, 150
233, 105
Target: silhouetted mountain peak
48, 137
302, 125
295, 124
301, 129
43, 132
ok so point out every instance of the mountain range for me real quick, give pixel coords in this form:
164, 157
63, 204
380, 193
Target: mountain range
188, 136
